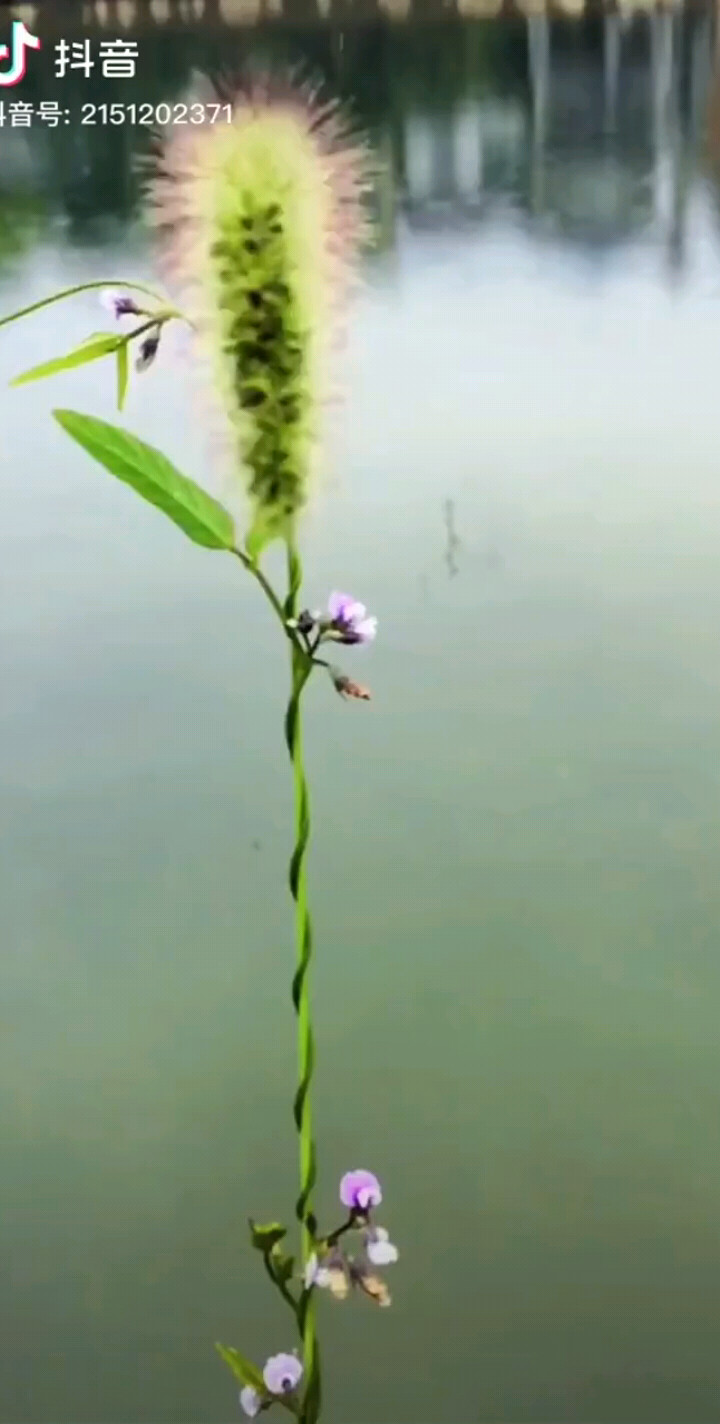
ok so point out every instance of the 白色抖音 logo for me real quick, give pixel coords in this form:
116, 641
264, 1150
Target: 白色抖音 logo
20, 42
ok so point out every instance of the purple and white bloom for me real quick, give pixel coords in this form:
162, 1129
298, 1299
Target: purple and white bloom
360, 1190
379, 1249
282, 1374
250, 1401
349, 621
118, 303
148, 350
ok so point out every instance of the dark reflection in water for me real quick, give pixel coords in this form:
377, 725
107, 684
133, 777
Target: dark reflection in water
588, 130
515, 863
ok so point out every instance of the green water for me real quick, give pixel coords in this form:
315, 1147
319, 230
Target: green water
516, 844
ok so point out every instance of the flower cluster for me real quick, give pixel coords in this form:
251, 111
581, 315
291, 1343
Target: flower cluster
281, 1377
119, 304
346, 621
332, 1268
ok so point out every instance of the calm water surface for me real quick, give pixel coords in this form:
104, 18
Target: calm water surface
516, 847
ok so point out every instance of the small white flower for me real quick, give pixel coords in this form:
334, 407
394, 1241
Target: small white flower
250, 1401
379, 1247
316, 1275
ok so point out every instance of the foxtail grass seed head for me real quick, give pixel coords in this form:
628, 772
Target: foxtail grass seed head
262, 220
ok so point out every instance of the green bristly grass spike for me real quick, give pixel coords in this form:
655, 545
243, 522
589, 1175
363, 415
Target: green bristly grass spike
264, 218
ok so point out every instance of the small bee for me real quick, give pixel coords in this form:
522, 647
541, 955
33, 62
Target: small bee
347, 688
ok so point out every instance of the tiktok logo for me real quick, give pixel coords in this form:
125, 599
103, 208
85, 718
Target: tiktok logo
21, 41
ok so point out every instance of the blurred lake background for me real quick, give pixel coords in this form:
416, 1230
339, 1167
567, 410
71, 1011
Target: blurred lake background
517, 843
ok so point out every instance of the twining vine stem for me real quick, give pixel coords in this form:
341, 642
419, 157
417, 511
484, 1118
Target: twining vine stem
302, 662
301, 668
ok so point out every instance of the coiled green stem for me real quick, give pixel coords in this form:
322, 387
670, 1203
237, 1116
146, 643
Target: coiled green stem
301, 667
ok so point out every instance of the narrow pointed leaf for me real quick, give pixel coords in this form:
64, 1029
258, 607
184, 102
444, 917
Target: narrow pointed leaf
243, 1369
151, 475
92, 350
122, 374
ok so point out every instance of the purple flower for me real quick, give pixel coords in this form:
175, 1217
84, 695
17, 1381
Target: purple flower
118, 303
282, 1373
379, 1249
250, 1401
360, 1190
349, 621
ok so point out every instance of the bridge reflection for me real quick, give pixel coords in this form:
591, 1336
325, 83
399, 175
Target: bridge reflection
590, 129
140, 14
575, 144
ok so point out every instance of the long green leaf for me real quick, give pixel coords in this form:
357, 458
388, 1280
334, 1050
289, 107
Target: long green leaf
122, 374
201, 517
91, 350
243, 1369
